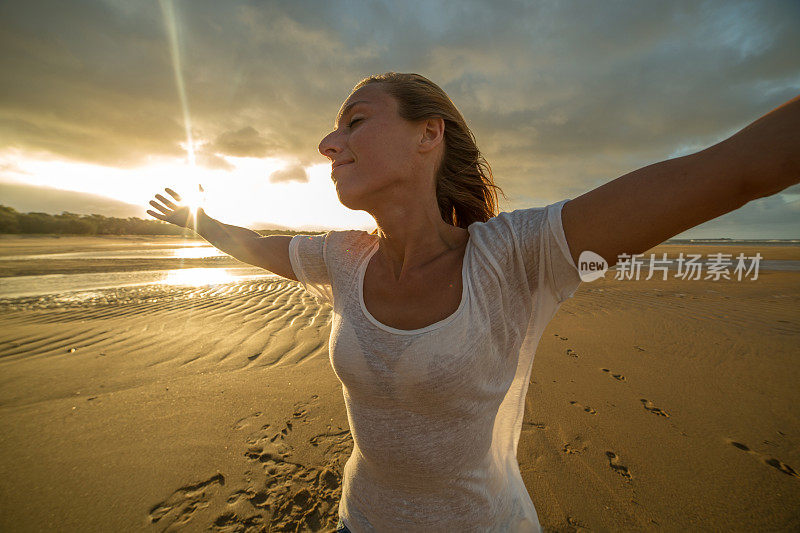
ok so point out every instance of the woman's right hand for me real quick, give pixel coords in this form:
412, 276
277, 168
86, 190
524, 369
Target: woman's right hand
168, 211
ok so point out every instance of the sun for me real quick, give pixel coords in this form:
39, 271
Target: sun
194, 199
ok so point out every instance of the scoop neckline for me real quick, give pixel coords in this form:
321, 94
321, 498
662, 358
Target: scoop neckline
443, 322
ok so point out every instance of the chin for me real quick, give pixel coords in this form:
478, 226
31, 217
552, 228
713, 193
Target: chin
348, 198
355, 200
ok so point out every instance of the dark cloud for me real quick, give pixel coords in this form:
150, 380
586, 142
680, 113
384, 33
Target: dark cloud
766, 218
81, 81
245, 142
562, 96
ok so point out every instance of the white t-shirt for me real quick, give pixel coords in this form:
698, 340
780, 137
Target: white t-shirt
436, 412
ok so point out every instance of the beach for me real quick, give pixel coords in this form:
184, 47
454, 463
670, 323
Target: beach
659, 405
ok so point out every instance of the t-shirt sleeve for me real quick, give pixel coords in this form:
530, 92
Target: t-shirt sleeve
564, 274
534, 238
307, 254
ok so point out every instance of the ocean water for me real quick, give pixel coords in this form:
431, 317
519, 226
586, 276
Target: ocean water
40, 285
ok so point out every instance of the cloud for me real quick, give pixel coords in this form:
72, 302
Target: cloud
291, 173
245, 142
212, 160
561, 96
773, 217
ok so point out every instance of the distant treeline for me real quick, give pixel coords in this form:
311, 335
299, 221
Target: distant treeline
12, 221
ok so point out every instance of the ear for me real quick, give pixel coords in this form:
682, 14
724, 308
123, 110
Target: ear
432, 134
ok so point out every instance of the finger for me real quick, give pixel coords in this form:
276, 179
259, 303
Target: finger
161, 207
166, 202
200, 187
173, 193
156, 215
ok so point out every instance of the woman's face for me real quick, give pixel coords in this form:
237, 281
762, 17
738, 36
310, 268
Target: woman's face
372, 150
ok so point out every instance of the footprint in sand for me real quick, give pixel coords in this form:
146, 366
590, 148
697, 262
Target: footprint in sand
262, 435
584, 407
300, 413
647, 404
572, 353
246, 421
618, 377
639, 348
613, 462
767, 460
288, 495
575, 447
575, 524
560, 337
180, 507
296, 496
533, 425
301, 409
233, 523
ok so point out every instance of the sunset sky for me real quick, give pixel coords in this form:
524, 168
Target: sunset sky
103, 96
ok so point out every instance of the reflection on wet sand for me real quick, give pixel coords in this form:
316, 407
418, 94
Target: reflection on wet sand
25, 286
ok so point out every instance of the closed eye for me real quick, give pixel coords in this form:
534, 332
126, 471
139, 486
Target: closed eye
354, 121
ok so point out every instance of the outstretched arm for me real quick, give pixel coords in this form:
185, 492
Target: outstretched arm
639, 210
270, 253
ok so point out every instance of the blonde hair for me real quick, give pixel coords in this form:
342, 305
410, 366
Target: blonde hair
465, 189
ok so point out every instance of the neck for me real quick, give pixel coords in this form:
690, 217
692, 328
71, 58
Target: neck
412, 235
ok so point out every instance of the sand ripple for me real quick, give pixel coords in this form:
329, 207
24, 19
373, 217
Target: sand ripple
254, 323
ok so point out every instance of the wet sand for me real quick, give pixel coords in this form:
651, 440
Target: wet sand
654, 405
14, 246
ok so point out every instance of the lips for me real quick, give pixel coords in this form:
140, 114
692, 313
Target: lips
340, 163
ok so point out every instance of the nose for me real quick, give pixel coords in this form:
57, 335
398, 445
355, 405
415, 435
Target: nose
330, 145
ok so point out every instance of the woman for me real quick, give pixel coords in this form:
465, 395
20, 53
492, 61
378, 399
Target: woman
437, 314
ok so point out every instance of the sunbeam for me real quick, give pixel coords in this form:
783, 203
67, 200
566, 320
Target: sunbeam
194, 199
172, 33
